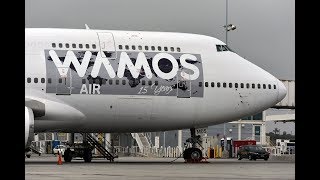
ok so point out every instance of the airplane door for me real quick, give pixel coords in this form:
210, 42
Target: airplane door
107, 45
183, 86
63, 83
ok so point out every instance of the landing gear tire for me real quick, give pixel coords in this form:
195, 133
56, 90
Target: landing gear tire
250, 157
193, 154
266, 159
67, 156
239, 157
87, 156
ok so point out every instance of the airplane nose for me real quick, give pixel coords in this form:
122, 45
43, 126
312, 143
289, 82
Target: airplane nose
282, 91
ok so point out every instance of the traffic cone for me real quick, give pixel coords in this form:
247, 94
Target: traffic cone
59, 159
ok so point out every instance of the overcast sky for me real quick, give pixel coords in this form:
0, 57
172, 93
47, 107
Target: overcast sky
265, 33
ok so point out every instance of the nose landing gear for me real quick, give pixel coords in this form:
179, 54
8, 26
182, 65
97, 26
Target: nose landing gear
193, 153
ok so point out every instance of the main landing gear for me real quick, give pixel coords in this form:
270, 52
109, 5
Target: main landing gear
193, 154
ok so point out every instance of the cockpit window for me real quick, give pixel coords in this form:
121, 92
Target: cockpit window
223, 48
219, 48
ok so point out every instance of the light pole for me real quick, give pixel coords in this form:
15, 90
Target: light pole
228, 27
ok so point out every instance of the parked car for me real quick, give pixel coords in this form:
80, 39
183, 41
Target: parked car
252, 152
59, 149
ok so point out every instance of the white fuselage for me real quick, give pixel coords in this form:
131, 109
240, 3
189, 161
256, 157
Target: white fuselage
71, 106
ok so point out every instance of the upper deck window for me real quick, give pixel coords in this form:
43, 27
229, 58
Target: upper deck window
94, 46
159, 48
53, 45
60, 45
172, 49
74, 45
153, 48
67, 45
140, 47
120, 46
178, 49
127, 47
165, 48
146, 48
133, 47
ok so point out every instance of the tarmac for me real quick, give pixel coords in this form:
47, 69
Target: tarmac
45, 167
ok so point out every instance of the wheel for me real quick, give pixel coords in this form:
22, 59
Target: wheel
250, 157
87, 155
239, 157
67, 155
186, 154
196, 154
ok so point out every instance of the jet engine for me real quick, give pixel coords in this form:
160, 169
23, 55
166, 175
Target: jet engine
29, 126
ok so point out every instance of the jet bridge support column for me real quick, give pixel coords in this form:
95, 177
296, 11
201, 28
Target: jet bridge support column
180, 140
107, 137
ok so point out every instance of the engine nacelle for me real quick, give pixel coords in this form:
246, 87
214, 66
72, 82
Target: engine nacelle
29, 126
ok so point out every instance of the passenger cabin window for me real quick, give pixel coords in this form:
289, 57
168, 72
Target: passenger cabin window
117, 82
80, 46
212, 84
49, 80
156, 83
218, 84
200, 84
127, 47
60, 80
123, 82
149, 83
172, 49
94, 46
248, 85
242, 85
133, 47
90, 81
259, 86
224, 85
269, 86
140, 47
143, 82
264, 86
74, 46
43, 80
153, 48
87, 46
83, 81
253, 86
230, 85
110, 81
67, 45
178, 49
206, 84
35, 80
120, 46
274, 86
236, 85
165, 48
53, 45
159, 48
146, 48
60, 45
28, 80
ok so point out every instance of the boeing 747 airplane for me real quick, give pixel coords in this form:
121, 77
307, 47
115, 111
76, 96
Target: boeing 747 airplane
86, 80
